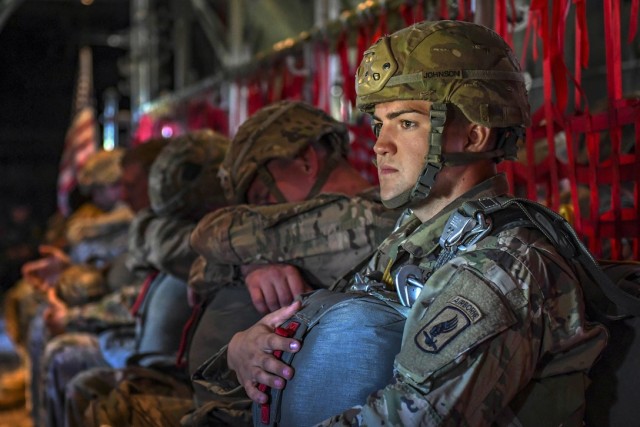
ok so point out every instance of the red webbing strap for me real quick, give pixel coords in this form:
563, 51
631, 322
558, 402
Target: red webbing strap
406, 12
444, 9
418, 11
500, 20
463, 10
636, 193
581, 46
614, 91
143, 293
186, 331
633, 20
613, 51
255, 99
265, 408
556, 52
381, 29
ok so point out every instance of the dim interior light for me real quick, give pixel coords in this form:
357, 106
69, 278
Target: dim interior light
86, 2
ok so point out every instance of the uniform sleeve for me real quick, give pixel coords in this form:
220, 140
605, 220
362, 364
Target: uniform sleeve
112, 310
161, 243
283, 233
464, 356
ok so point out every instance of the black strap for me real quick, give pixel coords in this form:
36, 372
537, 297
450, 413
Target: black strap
601, 293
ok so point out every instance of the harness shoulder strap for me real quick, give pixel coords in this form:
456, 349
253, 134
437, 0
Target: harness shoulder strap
601, 293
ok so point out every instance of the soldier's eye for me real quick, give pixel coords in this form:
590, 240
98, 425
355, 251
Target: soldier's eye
407, 124
375, 127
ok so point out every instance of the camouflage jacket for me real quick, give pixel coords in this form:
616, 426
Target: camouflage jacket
326, 237
494, 334
98, 238
160, 243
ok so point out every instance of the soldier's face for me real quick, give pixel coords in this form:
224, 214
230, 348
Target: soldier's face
135, 187
403, 129
289, 176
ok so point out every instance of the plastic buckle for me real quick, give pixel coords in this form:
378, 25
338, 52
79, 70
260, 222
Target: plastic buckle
265, 408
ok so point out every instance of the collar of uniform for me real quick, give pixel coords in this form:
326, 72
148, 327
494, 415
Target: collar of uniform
425, 238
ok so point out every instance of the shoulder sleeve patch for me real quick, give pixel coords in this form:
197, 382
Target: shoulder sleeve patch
467, 312
455, 317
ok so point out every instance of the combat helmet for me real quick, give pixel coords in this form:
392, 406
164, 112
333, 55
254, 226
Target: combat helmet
279, 130
102, 168
447, 62
183, 179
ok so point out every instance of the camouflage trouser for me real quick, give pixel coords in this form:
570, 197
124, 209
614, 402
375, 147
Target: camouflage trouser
37, 340
65, 356
132, 396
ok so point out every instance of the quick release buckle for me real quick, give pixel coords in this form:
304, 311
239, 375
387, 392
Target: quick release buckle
462, 231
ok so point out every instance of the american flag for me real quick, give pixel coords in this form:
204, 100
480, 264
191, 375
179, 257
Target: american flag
81, 139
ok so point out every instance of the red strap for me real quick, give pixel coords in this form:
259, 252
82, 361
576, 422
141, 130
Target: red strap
143, 293
381, 30
265, 408
418, 13
633, 20
613, 51
186, 330
444, 9
581, 47
500, 19
462, 11
407, 14
556, 53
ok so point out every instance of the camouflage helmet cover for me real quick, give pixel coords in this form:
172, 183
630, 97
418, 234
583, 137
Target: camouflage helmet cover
279, 130
183, 179
455, 62
101, 168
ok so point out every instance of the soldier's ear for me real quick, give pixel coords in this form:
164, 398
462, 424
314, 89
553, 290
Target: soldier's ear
479, 138
310, 161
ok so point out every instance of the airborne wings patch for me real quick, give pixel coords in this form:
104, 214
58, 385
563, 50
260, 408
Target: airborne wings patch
454, 318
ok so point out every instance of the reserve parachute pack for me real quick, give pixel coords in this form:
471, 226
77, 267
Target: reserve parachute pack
612, 295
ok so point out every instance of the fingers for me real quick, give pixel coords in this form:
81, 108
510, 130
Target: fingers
257, 298
279, 316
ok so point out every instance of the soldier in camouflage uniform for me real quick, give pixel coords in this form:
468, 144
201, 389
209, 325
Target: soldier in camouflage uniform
77, 348
498, 333
182, 187
326, 220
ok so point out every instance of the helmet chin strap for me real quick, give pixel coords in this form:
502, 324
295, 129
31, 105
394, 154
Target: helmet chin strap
432, 165
322, 177
505, 149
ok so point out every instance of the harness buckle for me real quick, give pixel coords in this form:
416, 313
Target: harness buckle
408, 284
462, 231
